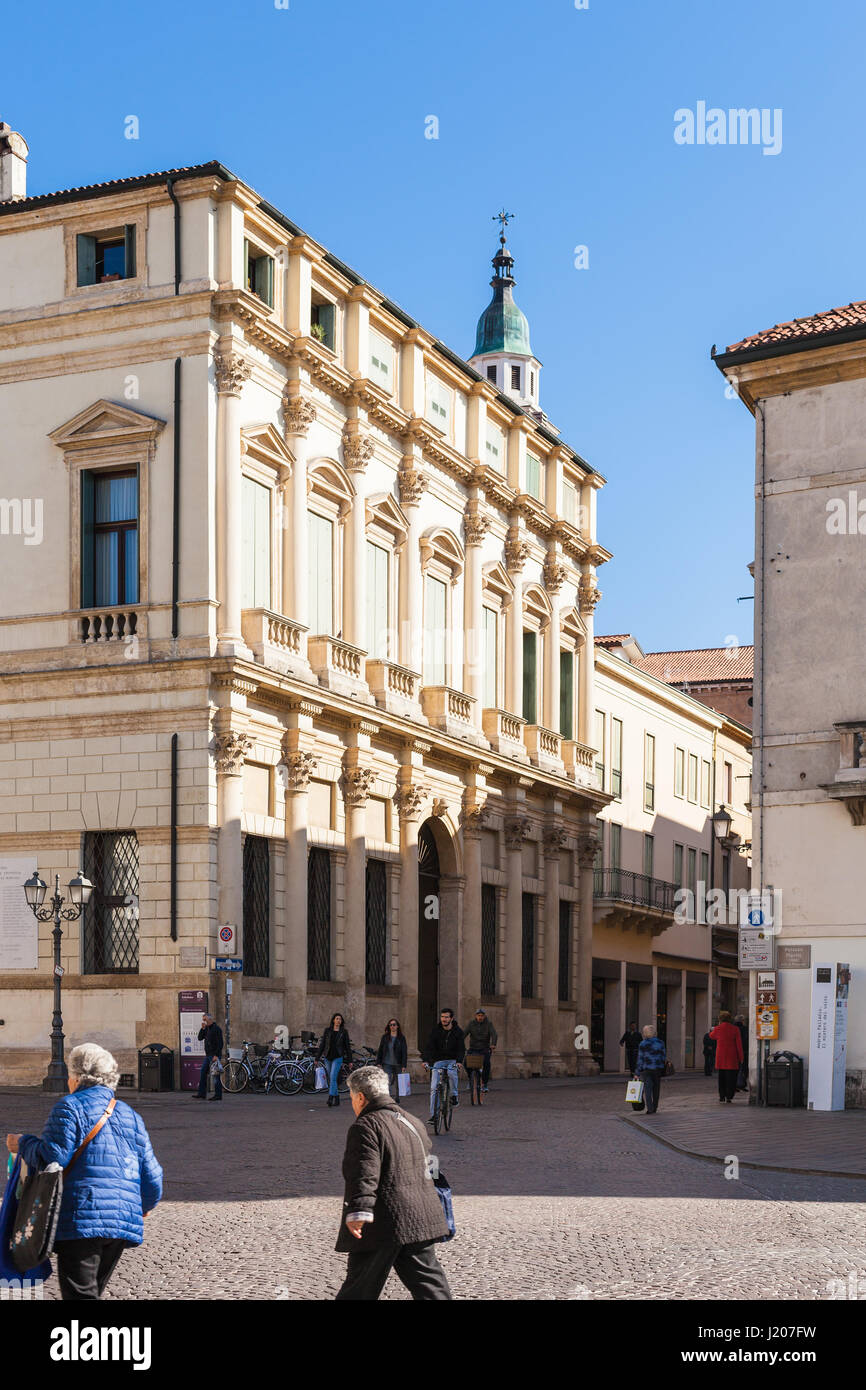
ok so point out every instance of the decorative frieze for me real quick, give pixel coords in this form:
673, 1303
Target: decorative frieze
231, 370
230, 751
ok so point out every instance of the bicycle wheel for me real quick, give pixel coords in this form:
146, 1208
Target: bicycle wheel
287, 1078
437, 1109
343, 1080
447, 1104
308, 1068
474, 1088
235, 1077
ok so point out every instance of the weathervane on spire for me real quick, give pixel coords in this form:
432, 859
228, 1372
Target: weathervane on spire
503, 218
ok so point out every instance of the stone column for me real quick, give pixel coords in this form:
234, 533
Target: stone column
298, 767
409, 799
516, 552
231, 370
554, 578
517, 828
586, 848
412, 482
588, 595
356, 788
299, 415
476, 526
474, 816
357, 452
230, 748
552, 1064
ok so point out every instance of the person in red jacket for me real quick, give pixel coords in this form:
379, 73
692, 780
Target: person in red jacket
729, 1055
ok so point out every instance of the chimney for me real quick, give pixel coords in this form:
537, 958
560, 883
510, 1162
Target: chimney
13, 164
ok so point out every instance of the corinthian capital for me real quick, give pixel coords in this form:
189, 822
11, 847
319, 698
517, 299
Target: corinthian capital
357, 451
476, 524
587, 849
517, 830
588, 595
516, 551
299, 414
299, 767
555, 574
410, 800
553, 841
229, 751
473, 821
412, 483
231, 370
357, 782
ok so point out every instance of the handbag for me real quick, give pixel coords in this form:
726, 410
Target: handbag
404, 1086
216, 1066
669, 1068
634, 1091
35, 1222
8, 1209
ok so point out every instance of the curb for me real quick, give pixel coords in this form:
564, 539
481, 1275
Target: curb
744, 1163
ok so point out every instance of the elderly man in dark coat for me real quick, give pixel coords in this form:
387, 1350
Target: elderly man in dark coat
392, 1216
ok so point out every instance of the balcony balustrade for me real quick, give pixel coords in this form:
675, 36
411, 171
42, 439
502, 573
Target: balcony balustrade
275, 641
120, 628
544, 747
635, 900
395, 688
504, 733
579, 762
339, 666
451, 711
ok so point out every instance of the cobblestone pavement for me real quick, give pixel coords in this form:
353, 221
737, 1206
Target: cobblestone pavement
555, 1198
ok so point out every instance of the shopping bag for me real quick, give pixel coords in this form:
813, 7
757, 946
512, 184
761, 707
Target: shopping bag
34, 1221
321, 1079
216, 1066
634, 1091
404, 1087
8, 1210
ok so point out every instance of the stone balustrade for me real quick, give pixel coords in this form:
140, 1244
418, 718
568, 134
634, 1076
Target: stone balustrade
275, 641
504, 733
451, 711
395, 688
111, 625
544, 747
339, 666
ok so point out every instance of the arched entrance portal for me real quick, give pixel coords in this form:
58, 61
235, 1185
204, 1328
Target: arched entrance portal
428, 933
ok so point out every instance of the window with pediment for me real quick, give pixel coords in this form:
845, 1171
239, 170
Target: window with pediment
330, 500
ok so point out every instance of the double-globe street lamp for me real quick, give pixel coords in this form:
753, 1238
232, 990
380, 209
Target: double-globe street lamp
80, 889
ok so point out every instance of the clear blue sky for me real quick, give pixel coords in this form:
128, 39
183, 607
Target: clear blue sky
567, 117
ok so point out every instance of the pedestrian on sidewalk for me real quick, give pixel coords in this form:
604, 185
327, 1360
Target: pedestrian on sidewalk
211, 1035
335, 1051
709, 1054
480, 1036
392, 1055
631, 1040
112, 1184
651, 1057
729, 1055
392, 1216
743, 1073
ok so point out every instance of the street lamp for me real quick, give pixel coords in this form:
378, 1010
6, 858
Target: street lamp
80, 889
722, 822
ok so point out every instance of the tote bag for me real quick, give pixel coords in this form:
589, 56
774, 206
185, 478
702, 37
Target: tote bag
8, 1209
634, 1091
321, 1079
404, 1085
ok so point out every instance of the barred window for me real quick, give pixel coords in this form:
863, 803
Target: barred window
377, 922
319, 915
110, 923
488, 939
528, 954
564, 949
257, 906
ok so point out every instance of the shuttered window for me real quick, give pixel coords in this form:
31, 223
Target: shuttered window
259, 273
106, 256
256, 506
566, 694
564, 966
491, 656
381, 361
533, 476
377, 601
616, 756
435, 596
488, 939
321, 561
530, 677
319, 915
527, 973
376, 922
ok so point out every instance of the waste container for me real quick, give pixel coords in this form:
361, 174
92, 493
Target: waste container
784, 1080
156, 1068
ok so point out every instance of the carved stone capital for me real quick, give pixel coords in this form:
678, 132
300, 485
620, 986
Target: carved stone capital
300, 767
410, 801
555, 575
473, 821
553, 840
299, 414
516, 551
588, 595
439, 807
231, 370
517, 830
357, 782
476, 524
412, 483
357, 451
229, 751
587, 849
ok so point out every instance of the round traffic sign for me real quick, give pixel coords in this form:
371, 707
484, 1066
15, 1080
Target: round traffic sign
226, 933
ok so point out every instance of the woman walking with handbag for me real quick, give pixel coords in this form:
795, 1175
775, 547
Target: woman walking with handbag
335, 1050
393, 1055
111, 1177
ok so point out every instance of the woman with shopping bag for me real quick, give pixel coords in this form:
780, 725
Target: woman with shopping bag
111, 1179
392, 1057
335, 1052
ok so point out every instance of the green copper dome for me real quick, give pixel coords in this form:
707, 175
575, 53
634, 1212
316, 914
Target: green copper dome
502, 327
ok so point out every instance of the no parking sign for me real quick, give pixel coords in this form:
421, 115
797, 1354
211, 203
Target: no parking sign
227, 940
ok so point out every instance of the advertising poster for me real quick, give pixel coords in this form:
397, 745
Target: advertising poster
191, 1004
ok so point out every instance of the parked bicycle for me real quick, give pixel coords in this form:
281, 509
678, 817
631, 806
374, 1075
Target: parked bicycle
259, 1068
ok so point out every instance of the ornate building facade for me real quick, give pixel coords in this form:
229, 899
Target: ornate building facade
305, 647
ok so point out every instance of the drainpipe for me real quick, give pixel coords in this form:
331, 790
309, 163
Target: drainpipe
173, 843
762, 1047
175, 560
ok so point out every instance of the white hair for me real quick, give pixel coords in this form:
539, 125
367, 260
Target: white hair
648, 1030
94, 1066
370, 1081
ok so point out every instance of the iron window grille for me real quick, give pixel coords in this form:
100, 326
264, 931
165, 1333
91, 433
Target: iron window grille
527, 982
257, 906
564, 949
319, 915
110, 923
488, 939
377, 922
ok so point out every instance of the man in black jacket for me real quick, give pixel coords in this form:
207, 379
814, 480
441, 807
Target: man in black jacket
211, 1035
392, 1216
445, 1048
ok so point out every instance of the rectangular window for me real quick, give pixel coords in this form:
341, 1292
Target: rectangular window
256, 508
705, 878
491, 372
530, 677
649, 789
323, 323
515, 378
705, 783
494, 447
435, 604
533, 476
564, 971
569, 502
678, 865
726, 873
489, 939
438, 403
377, 922
491, 656
599, 748
110, 927
679, 772
527, 973
319, 915
109, 538
106, 256
259, 273
378, 560
693, 777
566, 694
616, 757
321, 574
615, 845
693, 879
381, 361
729, 784
257, 907
649, 846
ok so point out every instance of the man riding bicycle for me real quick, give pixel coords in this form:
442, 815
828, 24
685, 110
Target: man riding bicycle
445, 1048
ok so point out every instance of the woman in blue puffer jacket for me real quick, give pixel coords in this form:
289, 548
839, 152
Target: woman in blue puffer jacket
112, 1186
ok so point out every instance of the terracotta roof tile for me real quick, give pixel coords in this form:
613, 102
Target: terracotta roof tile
703, 666
814, 326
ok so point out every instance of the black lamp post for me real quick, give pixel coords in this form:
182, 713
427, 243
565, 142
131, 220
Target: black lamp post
80, 889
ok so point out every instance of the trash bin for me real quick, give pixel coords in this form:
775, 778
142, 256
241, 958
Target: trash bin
784, 1080
156, 1068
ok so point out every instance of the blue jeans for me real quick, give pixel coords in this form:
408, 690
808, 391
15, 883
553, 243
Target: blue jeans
333, 1070
392, 1073
451, 1068
202, 1080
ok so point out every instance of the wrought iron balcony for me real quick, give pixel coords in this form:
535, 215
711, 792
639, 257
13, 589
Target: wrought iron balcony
635, 900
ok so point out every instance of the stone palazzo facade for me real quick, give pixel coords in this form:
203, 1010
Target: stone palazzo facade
305, 645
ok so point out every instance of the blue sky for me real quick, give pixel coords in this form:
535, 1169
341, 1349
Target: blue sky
567, 117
